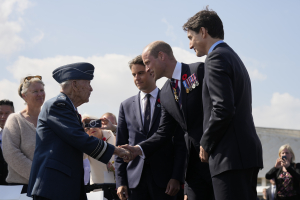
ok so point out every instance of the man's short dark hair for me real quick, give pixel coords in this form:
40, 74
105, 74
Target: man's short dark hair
136, 61
7, 102
208, 19
160, 46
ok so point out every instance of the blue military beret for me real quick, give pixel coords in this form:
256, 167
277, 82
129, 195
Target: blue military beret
75, 71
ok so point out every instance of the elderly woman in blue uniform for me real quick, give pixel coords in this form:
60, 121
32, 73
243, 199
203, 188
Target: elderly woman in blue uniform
57, 168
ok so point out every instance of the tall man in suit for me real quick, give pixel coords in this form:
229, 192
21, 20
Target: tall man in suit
57, 167
181, 110
229, 142
6, 108
156, 177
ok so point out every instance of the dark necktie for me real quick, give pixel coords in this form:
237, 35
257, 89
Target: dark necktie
147, 114
175, 87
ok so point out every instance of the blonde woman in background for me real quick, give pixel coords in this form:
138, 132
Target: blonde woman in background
100, 172
286, 174
19, 134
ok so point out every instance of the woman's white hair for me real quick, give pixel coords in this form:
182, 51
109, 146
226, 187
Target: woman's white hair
23, 88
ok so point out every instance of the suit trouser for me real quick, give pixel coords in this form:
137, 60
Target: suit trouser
236, 184
147, 188
198, 184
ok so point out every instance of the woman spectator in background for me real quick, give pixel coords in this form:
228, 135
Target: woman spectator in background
286, 174
100, 172
19, 133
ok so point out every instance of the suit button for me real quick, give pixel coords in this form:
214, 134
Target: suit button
147, 162
140, 129
50, 151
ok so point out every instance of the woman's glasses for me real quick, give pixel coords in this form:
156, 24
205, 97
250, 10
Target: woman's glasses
28, 78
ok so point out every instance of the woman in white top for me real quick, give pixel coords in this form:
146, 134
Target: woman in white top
19, 134
100, 172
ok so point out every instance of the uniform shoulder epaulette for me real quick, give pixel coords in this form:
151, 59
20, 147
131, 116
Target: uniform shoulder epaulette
61, 101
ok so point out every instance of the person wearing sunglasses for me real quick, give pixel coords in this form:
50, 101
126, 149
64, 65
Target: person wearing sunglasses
57, 166
19, 134
100, 172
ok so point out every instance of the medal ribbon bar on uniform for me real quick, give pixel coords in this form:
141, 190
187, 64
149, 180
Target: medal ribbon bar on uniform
189, 84
195, 79
186, 87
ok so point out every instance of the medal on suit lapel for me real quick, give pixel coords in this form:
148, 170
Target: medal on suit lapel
190, 78
189, 84
195, 79
175, 94
186, 86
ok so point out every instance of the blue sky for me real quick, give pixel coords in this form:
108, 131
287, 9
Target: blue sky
38, 36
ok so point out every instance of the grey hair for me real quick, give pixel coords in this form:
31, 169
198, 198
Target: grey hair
25, 85
65, 83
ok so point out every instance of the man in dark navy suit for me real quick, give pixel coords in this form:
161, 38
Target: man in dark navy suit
181, 110
6, 108
157, 177
229, 142
57, 167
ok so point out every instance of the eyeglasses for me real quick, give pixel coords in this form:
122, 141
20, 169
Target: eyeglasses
28, 78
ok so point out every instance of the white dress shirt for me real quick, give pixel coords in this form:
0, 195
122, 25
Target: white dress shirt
273, 189
143, 100
176, 75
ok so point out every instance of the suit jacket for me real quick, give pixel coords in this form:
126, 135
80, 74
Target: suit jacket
3, 169
57, 167
229, 134
168, 161
269, 194
188, 120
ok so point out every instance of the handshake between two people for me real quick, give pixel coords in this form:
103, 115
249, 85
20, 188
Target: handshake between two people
127, 152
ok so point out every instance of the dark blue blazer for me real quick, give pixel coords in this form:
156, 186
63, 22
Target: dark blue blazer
57, 166
188, 119
167, 162
229, 134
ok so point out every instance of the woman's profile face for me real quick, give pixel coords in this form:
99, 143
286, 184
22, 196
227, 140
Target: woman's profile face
35, 95
96, 132
287, 153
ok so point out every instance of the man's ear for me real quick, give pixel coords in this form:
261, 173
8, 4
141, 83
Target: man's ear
204, 32
74, 85
161, 55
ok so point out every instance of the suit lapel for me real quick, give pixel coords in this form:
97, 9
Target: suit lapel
156, 112
137, 110
171, 105
184, 70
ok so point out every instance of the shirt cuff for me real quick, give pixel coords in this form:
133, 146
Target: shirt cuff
143, 155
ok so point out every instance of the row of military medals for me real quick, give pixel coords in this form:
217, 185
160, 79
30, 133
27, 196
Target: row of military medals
190, 83
175, 92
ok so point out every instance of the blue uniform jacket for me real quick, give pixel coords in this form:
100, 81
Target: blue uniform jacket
57, 167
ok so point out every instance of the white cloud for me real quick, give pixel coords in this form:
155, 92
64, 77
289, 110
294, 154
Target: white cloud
38, 37
10, 41
170, 29
112, 84
283, 112
253, 67
11, 25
